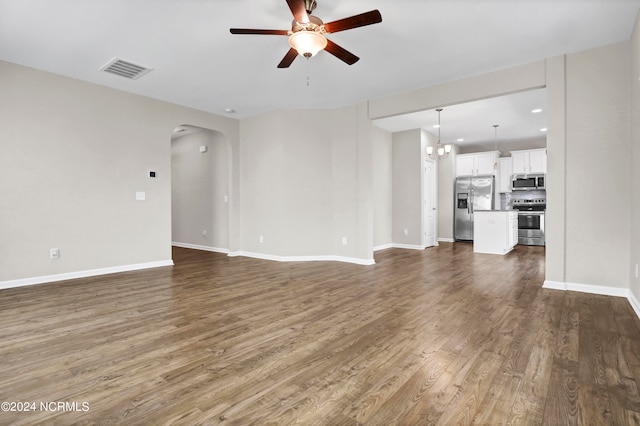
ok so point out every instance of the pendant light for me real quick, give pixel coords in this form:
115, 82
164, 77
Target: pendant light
495, 144
443, 151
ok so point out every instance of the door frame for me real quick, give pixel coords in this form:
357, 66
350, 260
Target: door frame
434, 192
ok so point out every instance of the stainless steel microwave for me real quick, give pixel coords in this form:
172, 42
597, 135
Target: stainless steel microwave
528, 182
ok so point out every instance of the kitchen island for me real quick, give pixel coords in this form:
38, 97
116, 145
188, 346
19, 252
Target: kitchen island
495, 231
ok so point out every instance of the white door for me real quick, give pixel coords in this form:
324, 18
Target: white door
429, 203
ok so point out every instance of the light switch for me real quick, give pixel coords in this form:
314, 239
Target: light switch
141, 196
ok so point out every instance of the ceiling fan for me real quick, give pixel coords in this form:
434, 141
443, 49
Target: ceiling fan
307, 34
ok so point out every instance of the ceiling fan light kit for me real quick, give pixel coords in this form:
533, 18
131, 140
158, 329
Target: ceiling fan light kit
307, 34
307, 43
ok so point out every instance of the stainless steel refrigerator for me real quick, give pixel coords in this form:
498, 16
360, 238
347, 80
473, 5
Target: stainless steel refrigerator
472, 193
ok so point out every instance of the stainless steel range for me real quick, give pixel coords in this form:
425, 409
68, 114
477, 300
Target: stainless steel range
531, 221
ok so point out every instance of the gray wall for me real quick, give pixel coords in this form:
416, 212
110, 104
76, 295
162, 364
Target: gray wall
307, 181
635, 160
72, 157
408, 152
382, 187
74, 154
598, 170
199, 190
446, 183
588, 108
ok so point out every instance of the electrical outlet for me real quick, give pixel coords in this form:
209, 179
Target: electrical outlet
344, 241
406, 232
205, 233
261, 239
54, 253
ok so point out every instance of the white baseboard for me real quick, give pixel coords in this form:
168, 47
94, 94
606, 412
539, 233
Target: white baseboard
303, 258
596, 289
634, 303
409, 246
199, 247
82, 274
446, 240
554, 285
383, 247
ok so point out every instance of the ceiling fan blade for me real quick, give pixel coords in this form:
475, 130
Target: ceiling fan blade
367, 18
260, 32
288, 58
341, 53
299, 10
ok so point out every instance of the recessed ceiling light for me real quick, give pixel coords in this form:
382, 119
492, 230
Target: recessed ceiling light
460, 140
544, 129
536, 111
229, 110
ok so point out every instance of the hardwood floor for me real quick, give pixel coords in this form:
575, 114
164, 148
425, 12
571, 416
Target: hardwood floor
440, 336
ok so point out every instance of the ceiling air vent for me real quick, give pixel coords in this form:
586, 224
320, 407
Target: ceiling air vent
125, 69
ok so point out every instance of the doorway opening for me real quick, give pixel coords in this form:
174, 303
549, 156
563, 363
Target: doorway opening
200, 182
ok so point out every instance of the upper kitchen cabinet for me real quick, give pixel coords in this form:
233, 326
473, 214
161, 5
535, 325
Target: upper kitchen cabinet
529, 161
479, 163
504, 178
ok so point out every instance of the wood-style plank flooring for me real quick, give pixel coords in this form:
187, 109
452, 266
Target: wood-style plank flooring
441, 336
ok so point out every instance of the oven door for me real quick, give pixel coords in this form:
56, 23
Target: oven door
531, 228
530, 220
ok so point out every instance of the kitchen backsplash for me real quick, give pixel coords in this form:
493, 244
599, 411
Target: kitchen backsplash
506, 198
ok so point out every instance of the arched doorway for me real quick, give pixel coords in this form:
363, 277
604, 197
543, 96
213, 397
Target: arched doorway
200, 182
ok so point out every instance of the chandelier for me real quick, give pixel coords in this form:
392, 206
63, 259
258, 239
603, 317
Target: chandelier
442, 150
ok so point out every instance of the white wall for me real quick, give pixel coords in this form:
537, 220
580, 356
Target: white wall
598, 166
72, 157
199, 185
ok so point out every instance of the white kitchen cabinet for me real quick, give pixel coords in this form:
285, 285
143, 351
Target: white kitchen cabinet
513, 228
504, 176
495, 232
529, 161
479, 163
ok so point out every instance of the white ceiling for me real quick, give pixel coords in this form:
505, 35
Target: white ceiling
198, 63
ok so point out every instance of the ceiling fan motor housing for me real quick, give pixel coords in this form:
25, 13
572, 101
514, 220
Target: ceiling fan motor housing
310, 5
308, 38
314, 24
